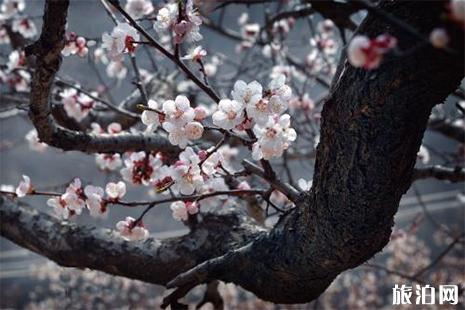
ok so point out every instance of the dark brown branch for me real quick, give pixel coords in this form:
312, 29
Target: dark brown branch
284, 188
453, 175
447, 128
372, 126
153, 261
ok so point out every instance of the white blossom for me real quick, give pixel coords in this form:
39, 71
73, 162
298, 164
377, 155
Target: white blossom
75, 45
151, 118
12, 7
439, 37
25, 27
32, 139
423, 155
178, 112
181, 210
194, 130
129, 232
187, 174
230, 114
121, 40
273, 138
247, 94
94, 201
195, 54
368, 53
73, 197
138, 8
24, 187
304, 185
108, 161
185, 29
116, 191
141, 168
116, 69
59, 207
280, 94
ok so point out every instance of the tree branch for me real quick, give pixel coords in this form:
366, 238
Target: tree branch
453, 175
152, 261
48, 51
447, 128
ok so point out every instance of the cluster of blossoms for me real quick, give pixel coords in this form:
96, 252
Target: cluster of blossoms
178, 118
76, 198
252, 107
93, 198
77, 105
368, 53
185, 24
11, 10
75, 45
191, 173
323, 55
15, 75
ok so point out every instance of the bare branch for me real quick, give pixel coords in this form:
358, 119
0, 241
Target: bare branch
453, 175
447, 128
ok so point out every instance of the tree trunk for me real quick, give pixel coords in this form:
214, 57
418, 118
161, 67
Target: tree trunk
372, 126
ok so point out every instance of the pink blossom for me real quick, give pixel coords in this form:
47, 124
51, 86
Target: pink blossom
368, 53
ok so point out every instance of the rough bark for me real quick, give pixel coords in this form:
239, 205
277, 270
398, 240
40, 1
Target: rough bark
372, 126
153, 261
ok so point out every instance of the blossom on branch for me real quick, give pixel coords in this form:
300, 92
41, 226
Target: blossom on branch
179, 122
121, 40
141, 168
129, 230
273, 138
230, 114
24, 187
115, 191
25, 27
75, 45
185, 25
94, 201
182, 210
368, 53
